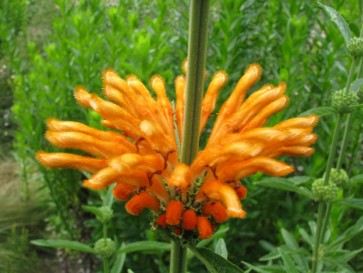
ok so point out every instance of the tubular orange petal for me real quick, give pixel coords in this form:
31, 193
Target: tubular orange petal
180, 103
189, 219
216, 210
296, 150
158, 189
82, 96
86, 143
64, 160
149, 163
181, 176
214, 190
71, 126
123, 191
252, 75
101, 179
238, 170
140, 202
218, 81
205, 229
299, 122
265, 113
174, 212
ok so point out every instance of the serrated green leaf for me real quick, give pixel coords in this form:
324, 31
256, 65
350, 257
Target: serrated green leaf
94, 210
221, 248
320, 111
149, 246
347, 235
339, 20
289, 264
66, 244
119, 261
294, 246
284, 184
351, 202
273, 255
214, 262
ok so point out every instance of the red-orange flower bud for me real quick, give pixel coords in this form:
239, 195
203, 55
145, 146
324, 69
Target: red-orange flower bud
241, 192
216, 210
140, 202
123, 191
189, 219
174, 211
161, 220
205, 229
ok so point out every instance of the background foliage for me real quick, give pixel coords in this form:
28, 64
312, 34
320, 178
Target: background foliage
50, 47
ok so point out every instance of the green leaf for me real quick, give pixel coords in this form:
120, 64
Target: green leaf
351, 202
221, 248
294, 246
145, 246
320, 111
284, 184
358, 179
214, 262
66, 244
347, 235
94, 210
266, 269
119, 261
356, 85
339, 20
289, 264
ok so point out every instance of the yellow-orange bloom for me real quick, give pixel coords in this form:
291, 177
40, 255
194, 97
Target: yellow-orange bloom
139, 151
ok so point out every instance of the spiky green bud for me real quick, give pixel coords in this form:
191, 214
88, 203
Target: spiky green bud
106, 214
322, 192
105, 247
339, 178
355, 47
343, 101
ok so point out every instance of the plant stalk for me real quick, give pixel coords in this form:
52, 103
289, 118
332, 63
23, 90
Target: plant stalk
197, 48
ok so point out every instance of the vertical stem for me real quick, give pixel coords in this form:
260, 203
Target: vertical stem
198, 26
197, 47
178, 258
333, 148
317, 238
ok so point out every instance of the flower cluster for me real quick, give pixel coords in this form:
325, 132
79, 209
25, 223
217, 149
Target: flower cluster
139, 154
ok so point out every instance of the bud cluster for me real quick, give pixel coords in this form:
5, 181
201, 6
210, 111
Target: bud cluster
105, 247
355, 47
324, 192
339, 178
343, 101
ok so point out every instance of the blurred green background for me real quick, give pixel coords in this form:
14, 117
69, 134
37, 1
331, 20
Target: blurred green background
47, 48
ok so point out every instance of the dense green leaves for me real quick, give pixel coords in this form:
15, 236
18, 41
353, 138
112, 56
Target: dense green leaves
214, 262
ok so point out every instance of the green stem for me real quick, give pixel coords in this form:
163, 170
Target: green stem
198, 26
321, 225
349, 119
333, 148
197, 48
178, 257
316, 248
106, 266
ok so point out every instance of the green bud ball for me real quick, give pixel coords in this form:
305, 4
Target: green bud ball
339, 178
105, 247
342, 101
322, 192
106, 214
355, 47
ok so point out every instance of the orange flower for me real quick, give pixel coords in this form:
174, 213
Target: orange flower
139, 153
